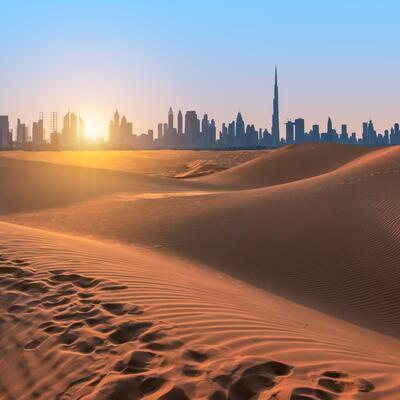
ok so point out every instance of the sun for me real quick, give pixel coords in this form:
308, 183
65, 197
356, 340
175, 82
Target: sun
94, 128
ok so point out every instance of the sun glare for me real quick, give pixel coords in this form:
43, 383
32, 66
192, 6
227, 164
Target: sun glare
93, 128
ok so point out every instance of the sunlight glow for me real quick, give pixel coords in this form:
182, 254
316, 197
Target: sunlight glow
94, 128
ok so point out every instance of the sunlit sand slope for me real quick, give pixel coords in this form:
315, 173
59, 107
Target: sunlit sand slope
170, 163
29, 185
287, 164
84, 320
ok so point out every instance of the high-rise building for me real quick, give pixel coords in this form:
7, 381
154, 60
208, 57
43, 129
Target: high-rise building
170, 119
299, 130
240, 130
74, 128
231, 134
53, 126
180, 123
159, 130
289, 132
396, 134
331, 135
5, 133
212, 133
192, 129
69, 134
344, 136
205, 131
38, 132
82, 129
120, 132
54, 135
22, 134
315, 135
165, 131
365, 133
275, 113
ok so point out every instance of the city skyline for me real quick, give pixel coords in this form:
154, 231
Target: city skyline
192, 132
336, 60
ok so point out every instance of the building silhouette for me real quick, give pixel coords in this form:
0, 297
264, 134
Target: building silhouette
240, 131
38, 132
289, 132
120, 132
5, 133
192, 129
69, 133
275, 114
22, 134
180, 123
192, 133
299, 132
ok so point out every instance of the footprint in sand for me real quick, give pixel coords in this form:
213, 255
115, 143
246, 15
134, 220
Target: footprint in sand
340, 382
34, 344
256, 379
128, 331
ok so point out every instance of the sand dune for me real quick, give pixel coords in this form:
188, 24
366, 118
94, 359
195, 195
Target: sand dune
330, 242
38, 185
83, 320
150, 162
287, 164
322, 231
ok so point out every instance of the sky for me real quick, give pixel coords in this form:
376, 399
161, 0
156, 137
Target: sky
337, 58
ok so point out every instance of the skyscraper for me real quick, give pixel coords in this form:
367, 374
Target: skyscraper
275, 113
74, 128
54, 135
239, 130
289, 132
38, 132
82, 128
69, 132
22, 134
205, 131
120, 132
170, 119
192, 129
180, 123
299, 130
5, 134
159, 130
213, 133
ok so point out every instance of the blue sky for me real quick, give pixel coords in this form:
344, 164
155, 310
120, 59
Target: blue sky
336, 58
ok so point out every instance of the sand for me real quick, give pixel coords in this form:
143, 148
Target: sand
124, 283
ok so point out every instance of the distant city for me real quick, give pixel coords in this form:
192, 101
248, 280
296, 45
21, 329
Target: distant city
188, 133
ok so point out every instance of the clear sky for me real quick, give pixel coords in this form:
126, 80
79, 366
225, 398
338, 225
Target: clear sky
336, 58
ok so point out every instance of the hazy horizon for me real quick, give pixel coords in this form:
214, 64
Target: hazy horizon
338, 60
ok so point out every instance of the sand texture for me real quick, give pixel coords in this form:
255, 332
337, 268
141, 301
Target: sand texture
200, 275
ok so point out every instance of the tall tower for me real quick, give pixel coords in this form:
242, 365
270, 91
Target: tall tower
275, 113
170, 119
82, 128
53, 126
240, 131
180, 123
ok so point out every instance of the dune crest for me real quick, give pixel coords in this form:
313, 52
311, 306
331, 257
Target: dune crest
287, 164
